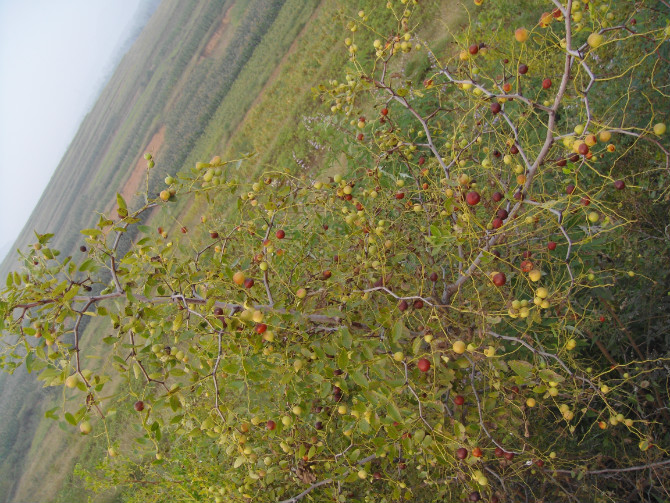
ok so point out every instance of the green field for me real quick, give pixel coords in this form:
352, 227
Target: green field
227, 77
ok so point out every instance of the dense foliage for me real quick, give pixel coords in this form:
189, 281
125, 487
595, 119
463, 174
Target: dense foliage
455, 314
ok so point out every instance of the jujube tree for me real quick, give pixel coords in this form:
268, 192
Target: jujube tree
415, 325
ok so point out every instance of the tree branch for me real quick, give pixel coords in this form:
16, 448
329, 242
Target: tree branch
298, 497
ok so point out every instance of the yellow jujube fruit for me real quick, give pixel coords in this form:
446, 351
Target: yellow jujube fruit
521, 34
459, 347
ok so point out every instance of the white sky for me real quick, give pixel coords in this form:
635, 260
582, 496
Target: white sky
54, 55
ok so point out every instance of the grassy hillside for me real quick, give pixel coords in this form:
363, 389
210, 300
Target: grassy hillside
203, 78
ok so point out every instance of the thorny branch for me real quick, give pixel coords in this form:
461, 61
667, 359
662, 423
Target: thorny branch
315, 485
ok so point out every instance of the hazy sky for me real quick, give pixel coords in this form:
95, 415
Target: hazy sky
54, 55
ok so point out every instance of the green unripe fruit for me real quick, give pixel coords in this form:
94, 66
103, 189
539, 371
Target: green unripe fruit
85, 428
72, 381
595, 40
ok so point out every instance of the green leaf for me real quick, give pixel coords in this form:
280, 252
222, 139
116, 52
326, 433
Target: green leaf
30, 358
51, 413
60, 288
394, 412
346, 337
550, 375
392, 432
396, 383
43, 238
119, 360
91, 232
86, 265
230, 367
521, 368
398, 331
156, 428
121, 202
48, 374
416, 345
71, 292
459, 429
359, 379
103, 222
176, 323
70, 419
343, 360
371, 397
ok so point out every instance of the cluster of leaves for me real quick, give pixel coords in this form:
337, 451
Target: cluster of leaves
416, 326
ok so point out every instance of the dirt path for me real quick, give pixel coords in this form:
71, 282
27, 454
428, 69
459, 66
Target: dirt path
216, 37
134, 182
